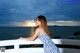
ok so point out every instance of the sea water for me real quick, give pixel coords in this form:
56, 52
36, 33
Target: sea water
57, 32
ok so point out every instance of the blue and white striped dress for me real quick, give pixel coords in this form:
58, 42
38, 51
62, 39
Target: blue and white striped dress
49, 46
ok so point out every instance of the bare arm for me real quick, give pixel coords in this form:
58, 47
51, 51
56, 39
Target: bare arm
33, 37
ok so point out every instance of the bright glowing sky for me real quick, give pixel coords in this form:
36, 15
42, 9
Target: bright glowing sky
57, 12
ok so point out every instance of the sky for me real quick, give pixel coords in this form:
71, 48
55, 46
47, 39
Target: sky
57, 12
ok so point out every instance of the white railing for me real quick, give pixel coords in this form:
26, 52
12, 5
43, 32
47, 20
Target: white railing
17, 43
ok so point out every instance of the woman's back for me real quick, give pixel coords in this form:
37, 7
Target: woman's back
49, 46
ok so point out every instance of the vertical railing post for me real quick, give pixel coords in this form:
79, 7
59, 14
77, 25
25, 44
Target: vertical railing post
16, 46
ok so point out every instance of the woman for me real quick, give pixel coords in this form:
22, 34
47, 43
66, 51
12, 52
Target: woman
44, 35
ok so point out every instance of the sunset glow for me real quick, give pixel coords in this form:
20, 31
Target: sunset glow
29, 23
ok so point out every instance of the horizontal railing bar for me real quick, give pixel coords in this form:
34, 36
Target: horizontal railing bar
59, 42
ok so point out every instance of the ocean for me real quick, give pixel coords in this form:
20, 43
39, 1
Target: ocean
57, 32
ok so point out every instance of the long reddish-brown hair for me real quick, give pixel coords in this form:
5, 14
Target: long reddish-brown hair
43, 21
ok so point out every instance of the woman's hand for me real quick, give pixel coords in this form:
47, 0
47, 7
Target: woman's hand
21, 38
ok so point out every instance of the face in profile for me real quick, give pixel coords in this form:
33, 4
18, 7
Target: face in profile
38, 23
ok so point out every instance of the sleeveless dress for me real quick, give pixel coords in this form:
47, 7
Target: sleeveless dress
49, 46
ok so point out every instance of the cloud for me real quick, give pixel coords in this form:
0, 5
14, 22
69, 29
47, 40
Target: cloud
54, 17
31, 23
27, 23
34, 7
13, 10
20, 10
64, 23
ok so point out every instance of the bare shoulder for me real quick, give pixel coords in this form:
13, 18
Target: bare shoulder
40, 30
37, 30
